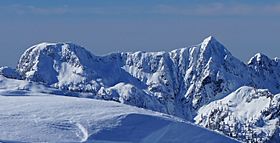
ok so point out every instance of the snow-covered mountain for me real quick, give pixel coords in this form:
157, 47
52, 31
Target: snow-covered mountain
181, 82
246, 114
177, 82
267, 72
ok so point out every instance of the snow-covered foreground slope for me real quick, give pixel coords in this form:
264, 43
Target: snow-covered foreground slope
69, 119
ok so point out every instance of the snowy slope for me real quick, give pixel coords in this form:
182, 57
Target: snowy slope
69, 119
15, 87
247, 114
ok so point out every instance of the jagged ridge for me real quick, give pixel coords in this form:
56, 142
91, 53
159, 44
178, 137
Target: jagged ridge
179, 82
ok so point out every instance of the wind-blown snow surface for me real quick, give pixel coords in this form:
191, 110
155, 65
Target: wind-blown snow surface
180, 83
70, 119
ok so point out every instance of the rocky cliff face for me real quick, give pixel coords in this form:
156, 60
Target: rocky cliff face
179, 82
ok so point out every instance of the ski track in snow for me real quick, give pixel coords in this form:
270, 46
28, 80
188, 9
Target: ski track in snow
84, 131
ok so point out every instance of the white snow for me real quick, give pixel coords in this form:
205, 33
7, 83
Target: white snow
246, 107
177, 82
69, 119
182, 82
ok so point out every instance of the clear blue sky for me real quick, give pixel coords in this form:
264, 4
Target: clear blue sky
104, 26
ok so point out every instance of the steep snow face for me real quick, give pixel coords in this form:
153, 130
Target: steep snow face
247, 114
156, 73
69, 119
206, 72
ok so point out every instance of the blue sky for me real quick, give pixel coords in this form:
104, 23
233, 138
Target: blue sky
244, 27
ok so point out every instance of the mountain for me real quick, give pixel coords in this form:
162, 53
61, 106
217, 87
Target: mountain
246, 114
180, 83
53, 118
177, 82
267, 71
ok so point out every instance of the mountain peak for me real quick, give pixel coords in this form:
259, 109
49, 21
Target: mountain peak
59, 48
259, 58
51, 45
40, 62
209, 39
276, 59
210, 47
211, 42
